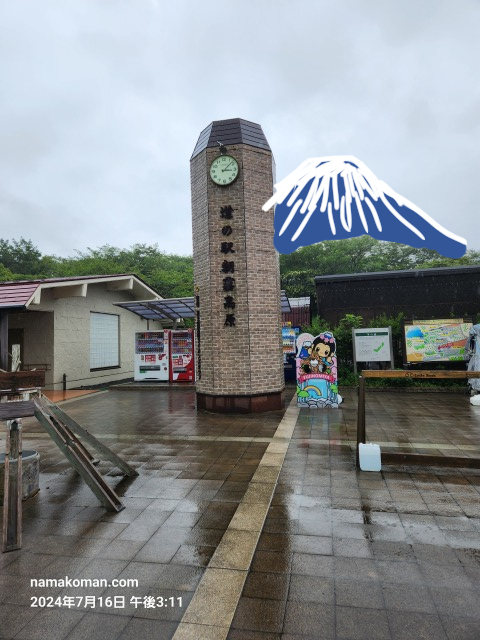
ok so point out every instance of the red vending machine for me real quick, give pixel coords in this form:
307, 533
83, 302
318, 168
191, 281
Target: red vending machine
182, 355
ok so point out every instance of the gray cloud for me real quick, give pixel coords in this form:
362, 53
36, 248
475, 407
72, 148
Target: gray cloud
102, 103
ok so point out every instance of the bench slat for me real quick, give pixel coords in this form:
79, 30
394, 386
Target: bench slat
12, 410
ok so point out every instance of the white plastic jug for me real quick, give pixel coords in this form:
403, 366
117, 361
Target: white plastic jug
370, 458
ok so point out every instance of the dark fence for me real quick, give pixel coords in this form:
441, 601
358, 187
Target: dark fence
421, 294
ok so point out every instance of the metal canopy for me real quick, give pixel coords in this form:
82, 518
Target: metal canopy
174, 308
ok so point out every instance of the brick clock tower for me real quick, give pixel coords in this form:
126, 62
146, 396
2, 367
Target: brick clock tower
236, 267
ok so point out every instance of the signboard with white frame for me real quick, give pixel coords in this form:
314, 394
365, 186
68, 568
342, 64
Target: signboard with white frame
372, 345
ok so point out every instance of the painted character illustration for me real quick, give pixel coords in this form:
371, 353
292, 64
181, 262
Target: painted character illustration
323, 350
317, 370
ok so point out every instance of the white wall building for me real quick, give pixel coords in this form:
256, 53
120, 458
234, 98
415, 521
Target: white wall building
71, 327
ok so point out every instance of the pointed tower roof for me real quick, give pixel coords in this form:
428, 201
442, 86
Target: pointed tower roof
233, 131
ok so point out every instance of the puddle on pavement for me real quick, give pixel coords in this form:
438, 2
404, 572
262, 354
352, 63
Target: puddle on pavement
367, 520
366, 511
472, 553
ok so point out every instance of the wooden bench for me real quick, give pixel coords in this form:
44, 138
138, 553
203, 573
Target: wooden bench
13, 410
395, 457
63, 430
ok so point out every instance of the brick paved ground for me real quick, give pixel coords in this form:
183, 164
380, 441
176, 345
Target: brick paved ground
341, 554
353, 555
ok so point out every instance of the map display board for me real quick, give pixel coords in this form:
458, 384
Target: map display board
436, 340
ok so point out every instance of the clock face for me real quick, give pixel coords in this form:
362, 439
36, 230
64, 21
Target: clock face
224, 170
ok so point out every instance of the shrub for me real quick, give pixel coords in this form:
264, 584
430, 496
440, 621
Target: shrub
343, 337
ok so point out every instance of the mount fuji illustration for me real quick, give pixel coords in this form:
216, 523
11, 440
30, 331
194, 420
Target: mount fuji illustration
337, 197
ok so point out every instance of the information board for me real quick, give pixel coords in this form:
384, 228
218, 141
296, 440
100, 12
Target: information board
372, 345
436, 340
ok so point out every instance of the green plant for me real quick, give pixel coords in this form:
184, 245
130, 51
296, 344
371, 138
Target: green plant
343, 336
318, 325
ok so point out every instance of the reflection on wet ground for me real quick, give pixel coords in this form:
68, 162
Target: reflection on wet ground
347, 554
194, 470
342, 554
61, 396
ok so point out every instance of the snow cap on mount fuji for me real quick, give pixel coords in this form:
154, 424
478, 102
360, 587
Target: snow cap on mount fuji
337, 197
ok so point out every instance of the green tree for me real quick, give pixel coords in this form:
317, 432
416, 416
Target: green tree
5, 274
170, 274
298, 269
20, 256
298, 284
471, 257
357, 255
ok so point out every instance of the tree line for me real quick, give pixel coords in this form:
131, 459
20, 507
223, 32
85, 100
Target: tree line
172, 275
357, 255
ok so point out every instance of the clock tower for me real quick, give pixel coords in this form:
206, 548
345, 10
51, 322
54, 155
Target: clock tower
236, 271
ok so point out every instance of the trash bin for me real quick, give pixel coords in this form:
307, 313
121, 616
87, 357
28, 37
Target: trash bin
290, 367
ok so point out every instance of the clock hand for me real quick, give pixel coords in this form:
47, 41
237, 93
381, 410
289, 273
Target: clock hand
227, 166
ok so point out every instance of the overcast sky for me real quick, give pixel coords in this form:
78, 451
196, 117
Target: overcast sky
102, 102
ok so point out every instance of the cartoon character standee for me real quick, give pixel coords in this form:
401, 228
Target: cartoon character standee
317, 384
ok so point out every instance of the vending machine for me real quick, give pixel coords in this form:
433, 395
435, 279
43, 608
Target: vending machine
151, 355
182, 355
289, 338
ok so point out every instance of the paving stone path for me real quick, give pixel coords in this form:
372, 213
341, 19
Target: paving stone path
254, 526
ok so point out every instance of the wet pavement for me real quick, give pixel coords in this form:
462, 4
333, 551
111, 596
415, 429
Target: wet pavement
335, 553
61, 396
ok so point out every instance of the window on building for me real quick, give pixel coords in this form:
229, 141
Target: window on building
104, 341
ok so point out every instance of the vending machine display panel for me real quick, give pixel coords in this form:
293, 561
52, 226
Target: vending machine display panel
182, 356
152, 355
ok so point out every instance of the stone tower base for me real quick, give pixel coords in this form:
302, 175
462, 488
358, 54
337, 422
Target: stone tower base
240, 404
